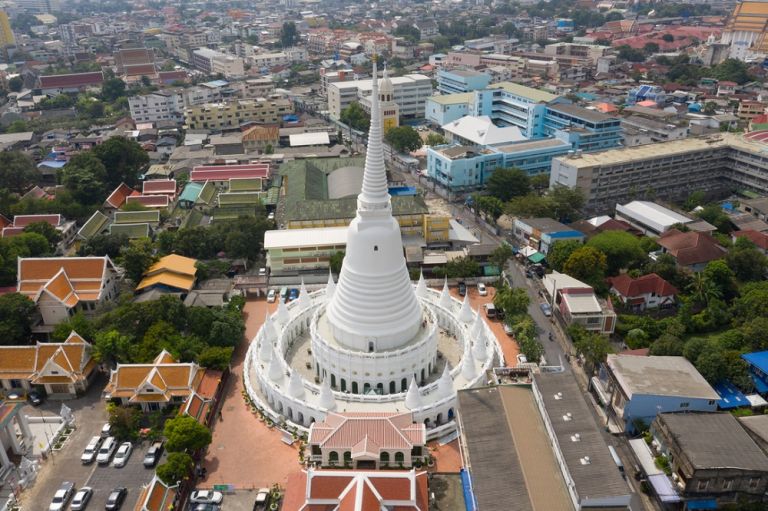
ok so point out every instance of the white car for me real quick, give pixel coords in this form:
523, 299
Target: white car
271, 295
62, 497
481, 289
206, 497
122, 454
262, 272
81, 498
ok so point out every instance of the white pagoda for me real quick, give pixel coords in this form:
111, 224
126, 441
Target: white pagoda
371, 341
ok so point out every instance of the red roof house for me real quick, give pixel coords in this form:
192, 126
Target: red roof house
221, 174
646, 292
165, 187
691, 249
71, 83
117, 198
760, 239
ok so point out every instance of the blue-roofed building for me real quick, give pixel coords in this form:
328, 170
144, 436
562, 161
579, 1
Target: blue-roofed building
645, 93
730, 396
758, 369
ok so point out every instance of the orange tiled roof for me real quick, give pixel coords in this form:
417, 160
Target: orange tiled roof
66, 279
73, 356
166, 376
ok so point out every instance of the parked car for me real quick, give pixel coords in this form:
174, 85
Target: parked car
35, 398
91, 450
204, 507
271, 295
293, 294
490, 310
481, 289
116, 498
262, 499
106, 430
62, 496
106, 450
546, 309
14, 395
283, 293
462, 288
271, 215
153, 454
206, 497
81, 498
508, 329
262, 272
122, 454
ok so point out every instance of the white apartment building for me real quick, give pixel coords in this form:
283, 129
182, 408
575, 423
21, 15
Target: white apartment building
158, 106
214, 62
410, 93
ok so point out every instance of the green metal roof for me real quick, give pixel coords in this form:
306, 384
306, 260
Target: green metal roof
94, 225
245, 185
191, 192
192, 219
230, 213
137, 217
133, 231
206, 194
273, 194
346, 208
240, 198
536, 257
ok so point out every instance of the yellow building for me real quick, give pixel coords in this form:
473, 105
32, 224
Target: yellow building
232, 114
390, 111
436, 228
172, 273
6, 33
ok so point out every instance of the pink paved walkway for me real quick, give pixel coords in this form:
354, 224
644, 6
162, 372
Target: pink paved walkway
244, 452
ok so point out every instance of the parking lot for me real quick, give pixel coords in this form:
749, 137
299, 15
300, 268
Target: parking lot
90, 414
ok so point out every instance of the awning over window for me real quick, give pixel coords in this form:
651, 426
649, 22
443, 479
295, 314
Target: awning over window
701, 504
536, 258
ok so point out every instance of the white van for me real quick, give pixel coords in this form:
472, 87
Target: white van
106, 451
89, 454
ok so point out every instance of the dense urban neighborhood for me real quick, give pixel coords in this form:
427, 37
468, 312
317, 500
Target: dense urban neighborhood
461, 255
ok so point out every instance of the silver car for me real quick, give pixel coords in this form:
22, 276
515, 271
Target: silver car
62, 496
122, 455
81, 498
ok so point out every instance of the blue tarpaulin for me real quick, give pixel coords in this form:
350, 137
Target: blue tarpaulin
730, 396
701, 504
466, 488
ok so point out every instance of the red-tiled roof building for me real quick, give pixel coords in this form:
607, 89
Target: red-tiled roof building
646, 292
692, 250
760, 239
117, 198
76, 82
221, 174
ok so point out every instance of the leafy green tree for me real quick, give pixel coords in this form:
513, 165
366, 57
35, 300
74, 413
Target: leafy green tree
539, 182
185, 434
629, 54
136, 257
112, 347
756, 332
491, 206
112, 89
18, 126
622, 250
752, 303
667, 345
732, 70
703, 290
245, 236
559, 253
501, 255
530, 205
125, 421
289, 36
407, 32
512, 300
356, 117
17, 172
746, 261
594, 348
587, 264
460, 267
86, 177
403, 139
711, 364
336, 261
567, 202
16, 311
651, 48
177, 467
504, 184
124, 160
722, 277
434, 139
15, 84
105, 245
215, 357
46, 230
715, 215
668, 38
76, 323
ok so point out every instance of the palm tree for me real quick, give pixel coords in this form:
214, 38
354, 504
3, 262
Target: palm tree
703, 290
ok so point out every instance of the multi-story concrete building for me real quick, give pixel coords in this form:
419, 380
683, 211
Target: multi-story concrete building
576, 52
668, 170
255, 88
410, 93
461, 80
638, 130
6, 33
213, 62
441, 110
232, 114
158, 106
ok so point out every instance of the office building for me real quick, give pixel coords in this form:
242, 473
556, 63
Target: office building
214, 62
669, 170
461, 80
746, 30
447, 108
410, 93
231, 114
6, 33
157, 106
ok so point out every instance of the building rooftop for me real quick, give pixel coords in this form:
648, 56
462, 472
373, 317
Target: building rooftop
535, 95
452, 99
695, 432
532, 145
295, 238
583, 113
508, 451
660, 376
651, 214
482, 131
545, 224
583, 447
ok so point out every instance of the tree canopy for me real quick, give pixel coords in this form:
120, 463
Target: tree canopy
504, 184
17, 172
589, 265
86, 178
177, 466
559, 253
185, 434
403, 139
123, 159
622, 250
16, 311
355, 117
136, 257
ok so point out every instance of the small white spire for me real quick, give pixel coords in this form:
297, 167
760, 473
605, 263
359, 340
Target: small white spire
275, 368
445, 384
468, 369
465, 313
283, 314
330, 287
270, 332
479, 351
413, 398
265, 350
326, 399
296, 385
477, 324
445, 296
421, 287
303, 300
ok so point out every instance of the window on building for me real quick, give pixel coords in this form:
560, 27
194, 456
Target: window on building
685, 405
702, 485
727, 484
